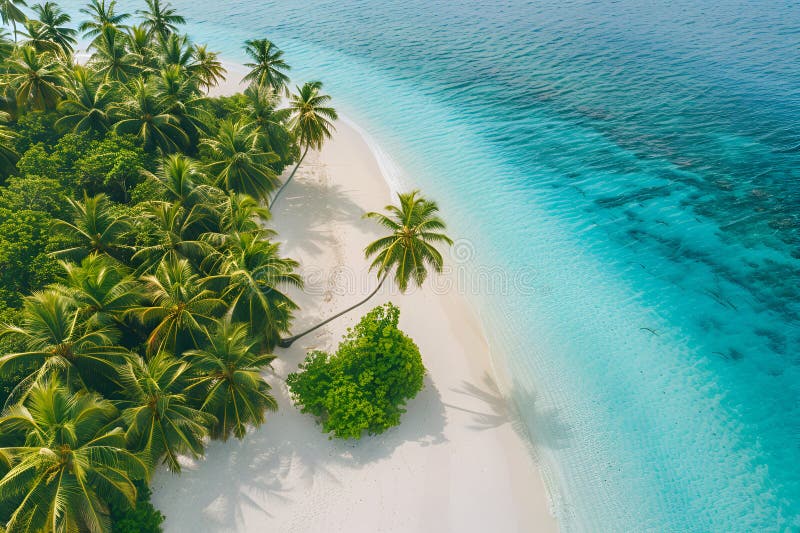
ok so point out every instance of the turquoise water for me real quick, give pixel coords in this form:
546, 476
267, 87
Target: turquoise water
630, 169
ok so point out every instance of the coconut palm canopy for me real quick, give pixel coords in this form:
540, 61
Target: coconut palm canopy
410, 250
142, 293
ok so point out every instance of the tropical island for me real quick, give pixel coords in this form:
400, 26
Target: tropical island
145, 294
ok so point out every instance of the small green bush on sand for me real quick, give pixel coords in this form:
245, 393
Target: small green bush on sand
364, 386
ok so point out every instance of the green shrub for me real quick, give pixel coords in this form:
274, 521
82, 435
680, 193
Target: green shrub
364, 386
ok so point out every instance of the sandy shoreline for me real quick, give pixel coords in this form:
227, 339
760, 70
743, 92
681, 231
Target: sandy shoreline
455, 463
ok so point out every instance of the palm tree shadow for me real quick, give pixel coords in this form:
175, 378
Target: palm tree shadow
547, 430
239, 481
316, 207
496, 407
221, 488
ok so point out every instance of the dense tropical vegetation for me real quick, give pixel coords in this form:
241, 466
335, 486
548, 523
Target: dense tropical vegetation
141, 291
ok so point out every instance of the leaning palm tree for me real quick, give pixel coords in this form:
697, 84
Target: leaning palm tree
409, 249
143, 114
70, 464
101, 15
96, 227
311, 122
160, 421
10, 12
160, 19
56, 342
35, 79
255, 277
54, 23
179, 307
268, 67
239, 161
229, 381
87, 102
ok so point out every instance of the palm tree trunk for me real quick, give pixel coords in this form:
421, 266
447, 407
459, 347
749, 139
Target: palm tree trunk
285, 183
285, 343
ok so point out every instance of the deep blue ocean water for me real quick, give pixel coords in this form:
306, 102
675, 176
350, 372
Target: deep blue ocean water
627, 173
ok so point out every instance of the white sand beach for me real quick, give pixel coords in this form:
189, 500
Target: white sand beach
456, 462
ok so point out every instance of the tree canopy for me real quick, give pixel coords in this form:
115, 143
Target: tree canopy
365, 384
142, 292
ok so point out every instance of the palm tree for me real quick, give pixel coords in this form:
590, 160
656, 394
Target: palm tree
53, 21
86, 104
36, 37
311, 122
71, 463
173, 230
409, 249
179, 94
180, 306
8, 154
239, 161
183, 181
56, 342
101, 15
260, 106
140, 43
206, 67
35, 79
110, 58
254, 275
268, 67
159, 418
101, 289
10, 12
175, 50
237, 213
95, 228
230, 381
160, 19
143, 114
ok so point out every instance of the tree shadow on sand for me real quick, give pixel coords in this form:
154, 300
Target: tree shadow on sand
315, 207
239, 479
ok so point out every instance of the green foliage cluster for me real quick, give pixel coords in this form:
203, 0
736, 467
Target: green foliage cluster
365, 385
140, 291
142, 518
